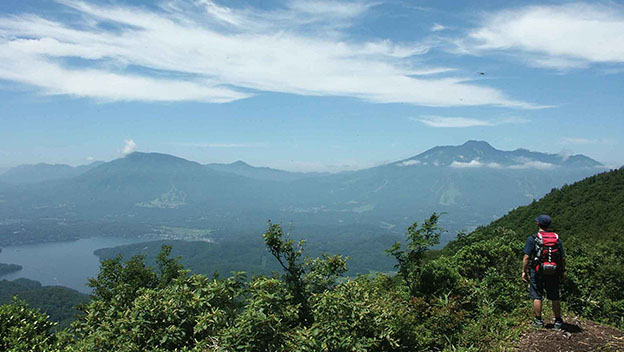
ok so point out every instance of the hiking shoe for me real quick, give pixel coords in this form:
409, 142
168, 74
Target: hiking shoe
558, 324
538, 323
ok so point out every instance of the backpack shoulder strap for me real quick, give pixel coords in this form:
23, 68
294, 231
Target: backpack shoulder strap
536, 244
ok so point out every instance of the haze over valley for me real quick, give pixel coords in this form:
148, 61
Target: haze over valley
473, 183
155, 196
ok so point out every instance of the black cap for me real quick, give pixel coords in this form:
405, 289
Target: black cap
543, 221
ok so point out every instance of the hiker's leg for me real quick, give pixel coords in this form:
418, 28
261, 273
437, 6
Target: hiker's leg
552, 293
557, 308
537, 307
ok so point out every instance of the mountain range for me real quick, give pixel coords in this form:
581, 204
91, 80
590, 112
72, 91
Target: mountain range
24, 174
473, 182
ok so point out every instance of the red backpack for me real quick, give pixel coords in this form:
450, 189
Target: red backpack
547, 253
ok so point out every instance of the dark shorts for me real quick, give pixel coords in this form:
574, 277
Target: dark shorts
539, 283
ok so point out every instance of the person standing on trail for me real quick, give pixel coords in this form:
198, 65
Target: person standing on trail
543, 266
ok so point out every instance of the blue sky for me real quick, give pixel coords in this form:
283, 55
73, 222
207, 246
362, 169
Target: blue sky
307, 85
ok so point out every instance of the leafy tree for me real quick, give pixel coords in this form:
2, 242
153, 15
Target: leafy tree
303, 276
169, 268
266, 321
410, 256
120, 282
24, 329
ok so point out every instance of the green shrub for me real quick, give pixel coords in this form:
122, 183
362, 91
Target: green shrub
24, 329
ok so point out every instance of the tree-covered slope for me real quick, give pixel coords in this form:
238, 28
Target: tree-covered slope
9, 268
589, 217
591, 210
363, 246
56, 301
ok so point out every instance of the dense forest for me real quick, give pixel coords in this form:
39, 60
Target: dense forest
9, 268
246, 252
466, 297
56, 301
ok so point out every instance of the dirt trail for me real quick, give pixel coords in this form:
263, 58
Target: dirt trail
576, 336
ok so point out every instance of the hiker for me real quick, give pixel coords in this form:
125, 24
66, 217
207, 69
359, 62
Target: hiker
544, 260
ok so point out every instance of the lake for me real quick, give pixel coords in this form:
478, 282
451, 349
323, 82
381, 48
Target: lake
68, 263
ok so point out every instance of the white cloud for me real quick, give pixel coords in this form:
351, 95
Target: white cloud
439, 121
90, 158
528, 164
566, 154
202, 51
471, 164
555, 36
129, 147
335, 9
533, 164
438, 27
458, 122
474, 164
410, 162
431, 71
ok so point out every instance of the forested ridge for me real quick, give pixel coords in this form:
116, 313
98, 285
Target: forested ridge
56, 301
467, 297
9, 268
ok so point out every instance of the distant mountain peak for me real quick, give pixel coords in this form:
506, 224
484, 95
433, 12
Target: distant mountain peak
154, 157
240, 163
478, 144
477, 154
139, 155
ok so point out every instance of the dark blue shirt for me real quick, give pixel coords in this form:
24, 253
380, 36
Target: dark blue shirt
529, 246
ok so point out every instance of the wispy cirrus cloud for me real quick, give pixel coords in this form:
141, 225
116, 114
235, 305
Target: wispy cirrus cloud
463, 122
202, 51
528, 164
554, 36
438, 27
585, 141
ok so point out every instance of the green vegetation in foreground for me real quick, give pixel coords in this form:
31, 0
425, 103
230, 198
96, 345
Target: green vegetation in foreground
467, 298
9, 268
56, 301
589, 216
